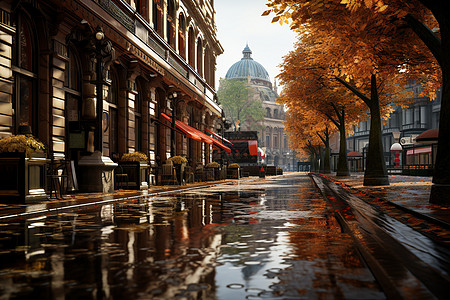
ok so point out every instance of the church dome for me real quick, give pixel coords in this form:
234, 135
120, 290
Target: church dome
247, 67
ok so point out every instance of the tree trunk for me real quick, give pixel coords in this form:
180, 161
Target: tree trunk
440, 190
326, 154
321, 160
375, 173
342, 167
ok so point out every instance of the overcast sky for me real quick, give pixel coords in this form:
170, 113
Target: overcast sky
240, 22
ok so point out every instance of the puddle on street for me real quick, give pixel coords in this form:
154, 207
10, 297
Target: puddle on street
276, 241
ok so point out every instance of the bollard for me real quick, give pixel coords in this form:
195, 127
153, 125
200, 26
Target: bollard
262, 173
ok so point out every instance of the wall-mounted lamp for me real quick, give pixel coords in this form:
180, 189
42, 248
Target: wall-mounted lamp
99, 35
172, 95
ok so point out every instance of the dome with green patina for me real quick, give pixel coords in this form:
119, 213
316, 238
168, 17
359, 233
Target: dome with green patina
247, 67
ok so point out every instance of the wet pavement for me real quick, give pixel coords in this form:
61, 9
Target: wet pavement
263, 239
405, 244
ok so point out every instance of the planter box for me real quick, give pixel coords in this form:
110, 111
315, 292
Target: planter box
137, 173
22, 179
233, 173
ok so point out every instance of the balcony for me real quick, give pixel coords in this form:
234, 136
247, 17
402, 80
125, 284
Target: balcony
136, 24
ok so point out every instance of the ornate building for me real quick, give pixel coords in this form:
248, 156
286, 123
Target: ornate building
91, 78
272, 138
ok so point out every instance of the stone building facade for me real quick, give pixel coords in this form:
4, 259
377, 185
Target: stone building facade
147, 57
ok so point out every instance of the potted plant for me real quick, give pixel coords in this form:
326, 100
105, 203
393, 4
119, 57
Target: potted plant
22, 169
214, 167
134, 165
233, 171
179, 163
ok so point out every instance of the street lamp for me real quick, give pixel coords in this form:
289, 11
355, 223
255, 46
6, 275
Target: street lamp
99, 37
173, 97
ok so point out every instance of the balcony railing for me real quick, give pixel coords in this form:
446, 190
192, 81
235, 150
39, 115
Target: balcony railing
117, 13
136, 24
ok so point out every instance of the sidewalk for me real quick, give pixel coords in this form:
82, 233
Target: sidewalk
404, 240
77, 200
409, 192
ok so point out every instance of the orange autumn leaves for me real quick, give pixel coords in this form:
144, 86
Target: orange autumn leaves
351, 40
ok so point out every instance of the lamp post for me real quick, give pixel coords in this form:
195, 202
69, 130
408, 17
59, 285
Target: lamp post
99, 38
173, 97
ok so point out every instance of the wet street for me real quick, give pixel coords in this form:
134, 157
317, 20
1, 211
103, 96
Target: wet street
268, 239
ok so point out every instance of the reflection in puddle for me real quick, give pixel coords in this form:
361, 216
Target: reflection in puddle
224, 242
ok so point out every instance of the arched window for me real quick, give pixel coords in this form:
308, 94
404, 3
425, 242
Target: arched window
207, 65
170, 28
268, 115
199, 56
157, 18
141, 8
25, 76
191, 47
275, 113
182, 36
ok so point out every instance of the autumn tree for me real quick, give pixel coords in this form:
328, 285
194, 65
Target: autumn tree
239, 104
404, 28
311, 83
359, 50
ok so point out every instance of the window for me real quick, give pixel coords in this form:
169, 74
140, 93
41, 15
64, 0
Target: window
423, 116
170, 28
207, 65
152, 130
138, 117
275, 141
157, 19
199, 57
25, 77
191, 47
113, 100
182, 36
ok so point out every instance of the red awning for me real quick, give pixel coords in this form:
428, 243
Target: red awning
196, 134
430, 135
419, 150
218, 136
221, 146
354, 154
186, 129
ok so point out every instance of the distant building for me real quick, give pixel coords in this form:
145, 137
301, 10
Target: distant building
421, 115
272, 137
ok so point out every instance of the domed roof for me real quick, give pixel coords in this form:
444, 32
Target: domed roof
247, 67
